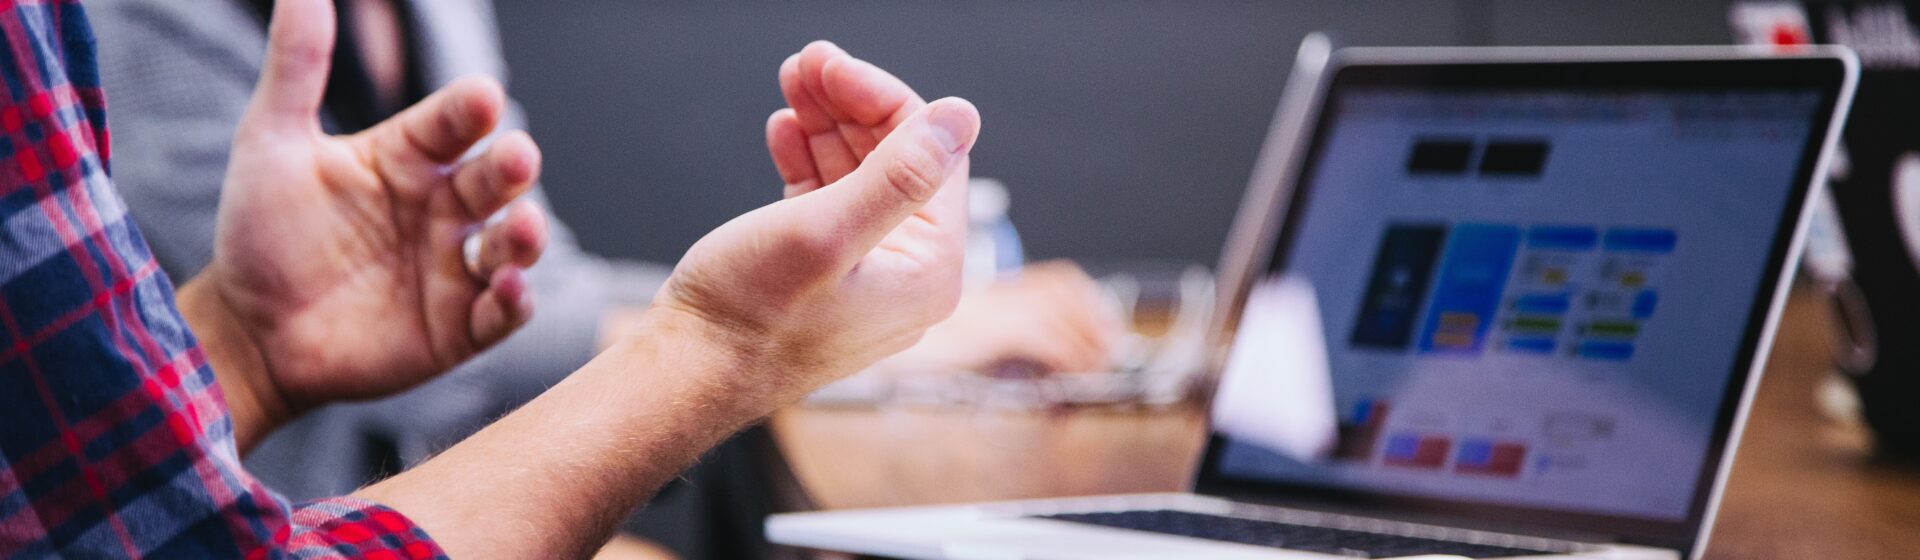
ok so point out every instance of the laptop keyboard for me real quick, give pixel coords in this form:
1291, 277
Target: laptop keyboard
1357, 544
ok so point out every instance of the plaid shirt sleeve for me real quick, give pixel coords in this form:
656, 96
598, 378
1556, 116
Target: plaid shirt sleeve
115, 441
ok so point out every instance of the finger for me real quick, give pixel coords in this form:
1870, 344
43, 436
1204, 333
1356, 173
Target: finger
1078, 347
787, 143
871, 101
498, 176
516, 240
906, 172
1041, 347
500, 309
1053, 344
1091, 347
860, 140
1054, 268
293, 78
1085, 309
442, 127
868, 96
800, 83
1072, 299
806, 108
1046, 356
813, 62
832, 158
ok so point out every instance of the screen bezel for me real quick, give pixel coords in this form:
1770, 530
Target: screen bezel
1830, 74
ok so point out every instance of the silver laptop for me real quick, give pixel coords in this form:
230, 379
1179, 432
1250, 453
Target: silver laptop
1486, 303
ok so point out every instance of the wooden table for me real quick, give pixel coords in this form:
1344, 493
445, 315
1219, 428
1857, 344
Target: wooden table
1803, 485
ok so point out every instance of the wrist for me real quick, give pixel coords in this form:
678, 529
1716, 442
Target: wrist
595, 445
735, 371
618, 324
239, 366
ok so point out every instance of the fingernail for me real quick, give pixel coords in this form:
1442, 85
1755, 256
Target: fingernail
513, 281
952, 126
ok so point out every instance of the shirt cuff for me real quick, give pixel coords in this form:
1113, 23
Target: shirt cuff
355, 528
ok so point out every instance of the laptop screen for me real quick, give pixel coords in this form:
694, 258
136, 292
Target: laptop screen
1534, 298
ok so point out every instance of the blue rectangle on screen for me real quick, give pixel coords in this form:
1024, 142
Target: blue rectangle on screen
1550, 304
1474, 453
1607, 350
1363, 411
1644, 304
1404, 447
1641, 240
1467, 292
1531, 345
1562, 238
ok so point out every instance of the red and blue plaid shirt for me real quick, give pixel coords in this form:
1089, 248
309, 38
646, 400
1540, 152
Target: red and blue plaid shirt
115, 441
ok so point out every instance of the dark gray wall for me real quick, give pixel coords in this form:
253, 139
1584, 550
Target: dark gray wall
1125, 130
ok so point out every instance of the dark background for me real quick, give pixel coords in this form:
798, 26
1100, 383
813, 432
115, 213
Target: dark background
1124, 129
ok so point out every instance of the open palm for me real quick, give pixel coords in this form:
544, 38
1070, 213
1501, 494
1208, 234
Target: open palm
344, 253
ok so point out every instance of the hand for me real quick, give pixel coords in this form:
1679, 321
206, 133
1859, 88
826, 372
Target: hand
759, 312
841, 108
340, 257
1049, 317
864, 253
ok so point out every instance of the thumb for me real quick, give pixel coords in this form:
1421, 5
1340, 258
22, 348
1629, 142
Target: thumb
293, 80
900, 177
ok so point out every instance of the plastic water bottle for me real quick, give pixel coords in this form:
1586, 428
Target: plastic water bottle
993, 245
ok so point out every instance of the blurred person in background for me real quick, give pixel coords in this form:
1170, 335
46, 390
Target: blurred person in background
180, 75
339, 272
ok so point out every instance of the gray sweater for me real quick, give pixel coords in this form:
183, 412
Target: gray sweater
178, 74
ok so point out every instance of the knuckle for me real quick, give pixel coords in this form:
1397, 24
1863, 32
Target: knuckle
303, 54
917, 174
452, 123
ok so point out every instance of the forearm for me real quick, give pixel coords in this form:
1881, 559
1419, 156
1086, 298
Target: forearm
553, 478
237, 363
585, 303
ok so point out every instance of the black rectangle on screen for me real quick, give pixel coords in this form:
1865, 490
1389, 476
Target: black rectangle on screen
1514, 158
1440, 156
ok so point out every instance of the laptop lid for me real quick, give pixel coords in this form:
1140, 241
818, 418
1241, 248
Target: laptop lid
1545, 281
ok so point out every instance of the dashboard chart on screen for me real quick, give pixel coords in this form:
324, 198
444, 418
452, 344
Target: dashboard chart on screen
1520, 288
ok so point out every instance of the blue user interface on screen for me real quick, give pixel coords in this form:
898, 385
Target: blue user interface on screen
1534, 298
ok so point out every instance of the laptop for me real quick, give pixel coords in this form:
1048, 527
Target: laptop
1484, 303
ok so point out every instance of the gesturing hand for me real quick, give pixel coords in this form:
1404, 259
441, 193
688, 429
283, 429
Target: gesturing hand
762, 310
341, 256
840, 109
864, 253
